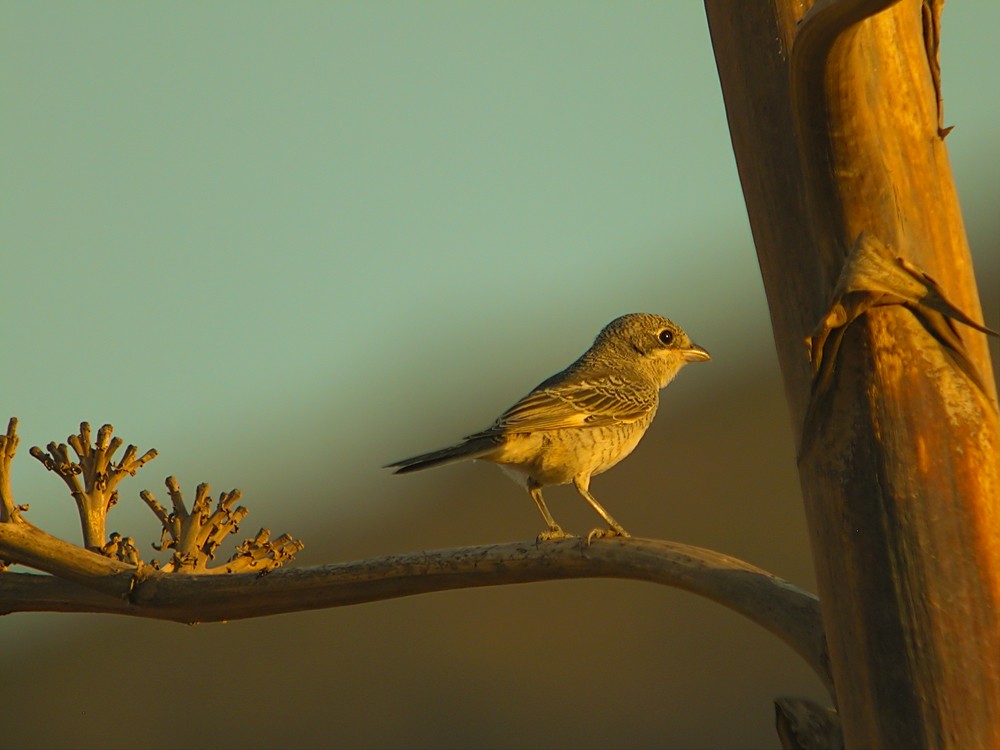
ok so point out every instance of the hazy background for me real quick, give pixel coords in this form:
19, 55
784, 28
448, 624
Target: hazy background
285, 243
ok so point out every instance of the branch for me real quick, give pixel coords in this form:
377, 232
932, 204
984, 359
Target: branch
787, 611
111, 579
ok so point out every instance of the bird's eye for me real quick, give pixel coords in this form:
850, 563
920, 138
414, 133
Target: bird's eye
666, 337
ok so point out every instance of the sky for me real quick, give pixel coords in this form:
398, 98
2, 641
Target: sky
275, 238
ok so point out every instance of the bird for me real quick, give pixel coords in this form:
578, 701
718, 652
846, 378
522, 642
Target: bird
583, 420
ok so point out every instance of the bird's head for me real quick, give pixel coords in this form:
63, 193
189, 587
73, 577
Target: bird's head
653, 345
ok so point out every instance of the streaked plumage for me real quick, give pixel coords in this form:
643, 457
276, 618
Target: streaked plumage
583, 420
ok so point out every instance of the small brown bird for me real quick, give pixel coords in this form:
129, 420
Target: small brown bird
583, 420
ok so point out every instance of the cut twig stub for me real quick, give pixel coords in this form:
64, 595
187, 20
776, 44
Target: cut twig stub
805, 725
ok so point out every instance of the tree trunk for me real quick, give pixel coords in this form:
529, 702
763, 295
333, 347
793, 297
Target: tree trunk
835, 122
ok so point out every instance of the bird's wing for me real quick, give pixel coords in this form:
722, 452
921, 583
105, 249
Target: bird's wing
591, 402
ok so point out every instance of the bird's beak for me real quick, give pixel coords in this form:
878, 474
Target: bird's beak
695, 354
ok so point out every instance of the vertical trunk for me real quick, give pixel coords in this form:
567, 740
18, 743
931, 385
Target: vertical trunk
835, 126
94, 525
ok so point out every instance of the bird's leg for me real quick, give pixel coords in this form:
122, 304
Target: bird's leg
582, 485
554, 531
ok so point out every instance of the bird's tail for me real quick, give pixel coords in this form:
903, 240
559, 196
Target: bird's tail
477, 447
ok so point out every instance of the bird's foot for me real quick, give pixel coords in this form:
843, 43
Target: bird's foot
606, 533
553, 533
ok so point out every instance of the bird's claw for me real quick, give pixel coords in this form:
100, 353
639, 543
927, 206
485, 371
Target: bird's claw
607, 533
552, 534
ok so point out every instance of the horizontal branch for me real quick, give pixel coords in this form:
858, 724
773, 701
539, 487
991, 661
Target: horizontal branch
26, 544
787, 611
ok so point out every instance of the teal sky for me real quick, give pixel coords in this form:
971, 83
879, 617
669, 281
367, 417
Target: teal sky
302, 237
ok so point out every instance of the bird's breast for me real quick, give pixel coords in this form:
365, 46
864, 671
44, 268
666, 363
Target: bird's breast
559, 456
